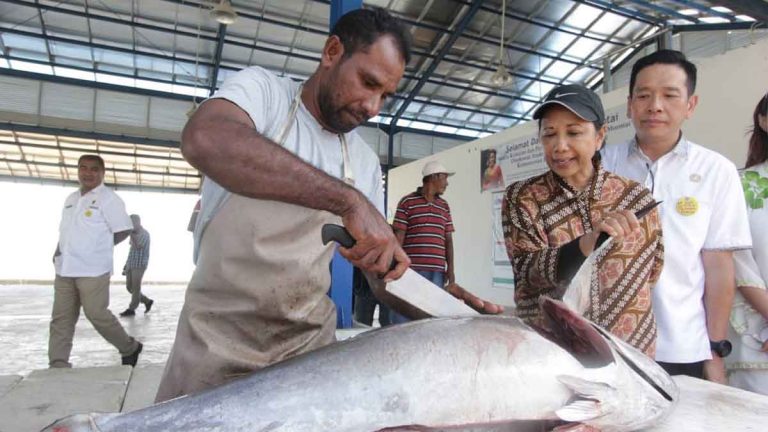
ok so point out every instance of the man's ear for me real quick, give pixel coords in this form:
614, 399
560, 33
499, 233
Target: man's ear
333, 51
693, 101
629, 106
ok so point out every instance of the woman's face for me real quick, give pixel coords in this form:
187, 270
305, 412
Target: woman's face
569, 143
491, 159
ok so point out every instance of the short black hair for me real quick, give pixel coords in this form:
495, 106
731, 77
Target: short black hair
92, 157
670, 57
360, 28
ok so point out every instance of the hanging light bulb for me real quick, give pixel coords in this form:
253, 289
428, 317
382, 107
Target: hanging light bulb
224, 13
502, 77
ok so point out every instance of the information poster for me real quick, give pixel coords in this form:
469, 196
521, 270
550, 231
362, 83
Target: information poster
503, 276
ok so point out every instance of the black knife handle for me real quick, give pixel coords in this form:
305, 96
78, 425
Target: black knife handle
337, 233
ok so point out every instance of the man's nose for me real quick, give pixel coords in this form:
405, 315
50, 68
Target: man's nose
654, 104
372, 105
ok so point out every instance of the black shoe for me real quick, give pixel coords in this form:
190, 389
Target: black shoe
128, 313
133, 358
148, 306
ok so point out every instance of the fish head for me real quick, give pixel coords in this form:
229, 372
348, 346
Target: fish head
621, 388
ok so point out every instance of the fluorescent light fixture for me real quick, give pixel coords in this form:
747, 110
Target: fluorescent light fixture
713, 20
224, 13
722, 9
688, 12
745, 18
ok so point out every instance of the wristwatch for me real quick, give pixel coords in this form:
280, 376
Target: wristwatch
722, 347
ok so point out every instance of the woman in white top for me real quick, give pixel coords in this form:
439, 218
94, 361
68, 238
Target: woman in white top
748, 366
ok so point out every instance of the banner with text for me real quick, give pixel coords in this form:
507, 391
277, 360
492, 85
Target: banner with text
523, 157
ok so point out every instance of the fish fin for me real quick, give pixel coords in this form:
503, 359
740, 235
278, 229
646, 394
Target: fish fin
592, 402
579, 411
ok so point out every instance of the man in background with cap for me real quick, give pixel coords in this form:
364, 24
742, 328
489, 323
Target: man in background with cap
424, 228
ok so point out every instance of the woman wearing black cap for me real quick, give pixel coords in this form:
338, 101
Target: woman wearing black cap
552, 222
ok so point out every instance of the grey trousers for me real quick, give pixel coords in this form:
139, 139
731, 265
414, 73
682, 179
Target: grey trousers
92, 293
133, 285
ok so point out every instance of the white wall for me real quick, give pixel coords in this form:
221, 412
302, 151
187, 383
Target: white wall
729, 87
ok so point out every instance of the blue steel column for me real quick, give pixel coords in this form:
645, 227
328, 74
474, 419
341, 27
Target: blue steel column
341, 269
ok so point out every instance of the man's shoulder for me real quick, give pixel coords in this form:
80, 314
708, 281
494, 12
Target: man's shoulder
442, 202
261, 74
410, 199
710, 157
74, 196
106, 194
255, 80
611, 153
364, 152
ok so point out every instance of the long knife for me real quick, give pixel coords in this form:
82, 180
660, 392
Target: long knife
412, 294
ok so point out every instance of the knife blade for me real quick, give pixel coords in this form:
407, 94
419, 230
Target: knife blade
412, 293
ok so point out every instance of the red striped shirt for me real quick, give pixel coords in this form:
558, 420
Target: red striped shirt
426, 225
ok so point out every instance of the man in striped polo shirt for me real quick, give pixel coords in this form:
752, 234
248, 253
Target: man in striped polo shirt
423, 226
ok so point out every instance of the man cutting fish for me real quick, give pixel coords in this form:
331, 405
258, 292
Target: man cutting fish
280, 160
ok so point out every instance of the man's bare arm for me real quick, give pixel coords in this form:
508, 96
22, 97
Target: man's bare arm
450, 275
719, 289
122, 235
757, 298
400, 235
221, 141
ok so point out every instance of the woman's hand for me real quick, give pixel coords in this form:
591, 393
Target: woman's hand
617, 224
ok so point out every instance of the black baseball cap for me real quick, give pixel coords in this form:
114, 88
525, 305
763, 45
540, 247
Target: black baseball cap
578, 99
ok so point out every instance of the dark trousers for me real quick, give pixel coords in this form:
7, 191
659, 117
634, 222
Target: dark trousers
695, 370
365, 302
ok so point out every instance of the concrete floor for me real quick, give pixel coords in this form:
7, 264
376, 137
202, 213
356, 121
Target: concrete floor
32, 396
25, 312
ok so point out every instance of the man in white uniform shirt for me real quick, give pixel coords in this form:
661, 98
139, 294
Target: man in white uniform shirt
92, 222
703, 216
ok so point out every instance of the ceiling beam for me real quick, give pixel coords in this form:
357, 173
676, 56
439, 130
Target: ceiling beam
114, 186
463, 23
64, 132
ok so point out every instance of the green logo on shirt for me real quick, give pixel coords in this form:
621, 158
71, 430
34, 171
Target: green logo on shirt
755, 189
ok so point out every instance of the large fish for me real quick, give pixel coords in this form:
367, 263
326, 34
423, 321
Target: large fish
471, 373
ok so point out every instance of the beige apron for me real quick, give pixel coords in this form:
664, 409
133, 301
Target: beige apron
258, 294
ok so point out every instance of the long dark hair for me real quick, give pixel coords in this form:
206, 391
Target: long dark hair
758, 141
